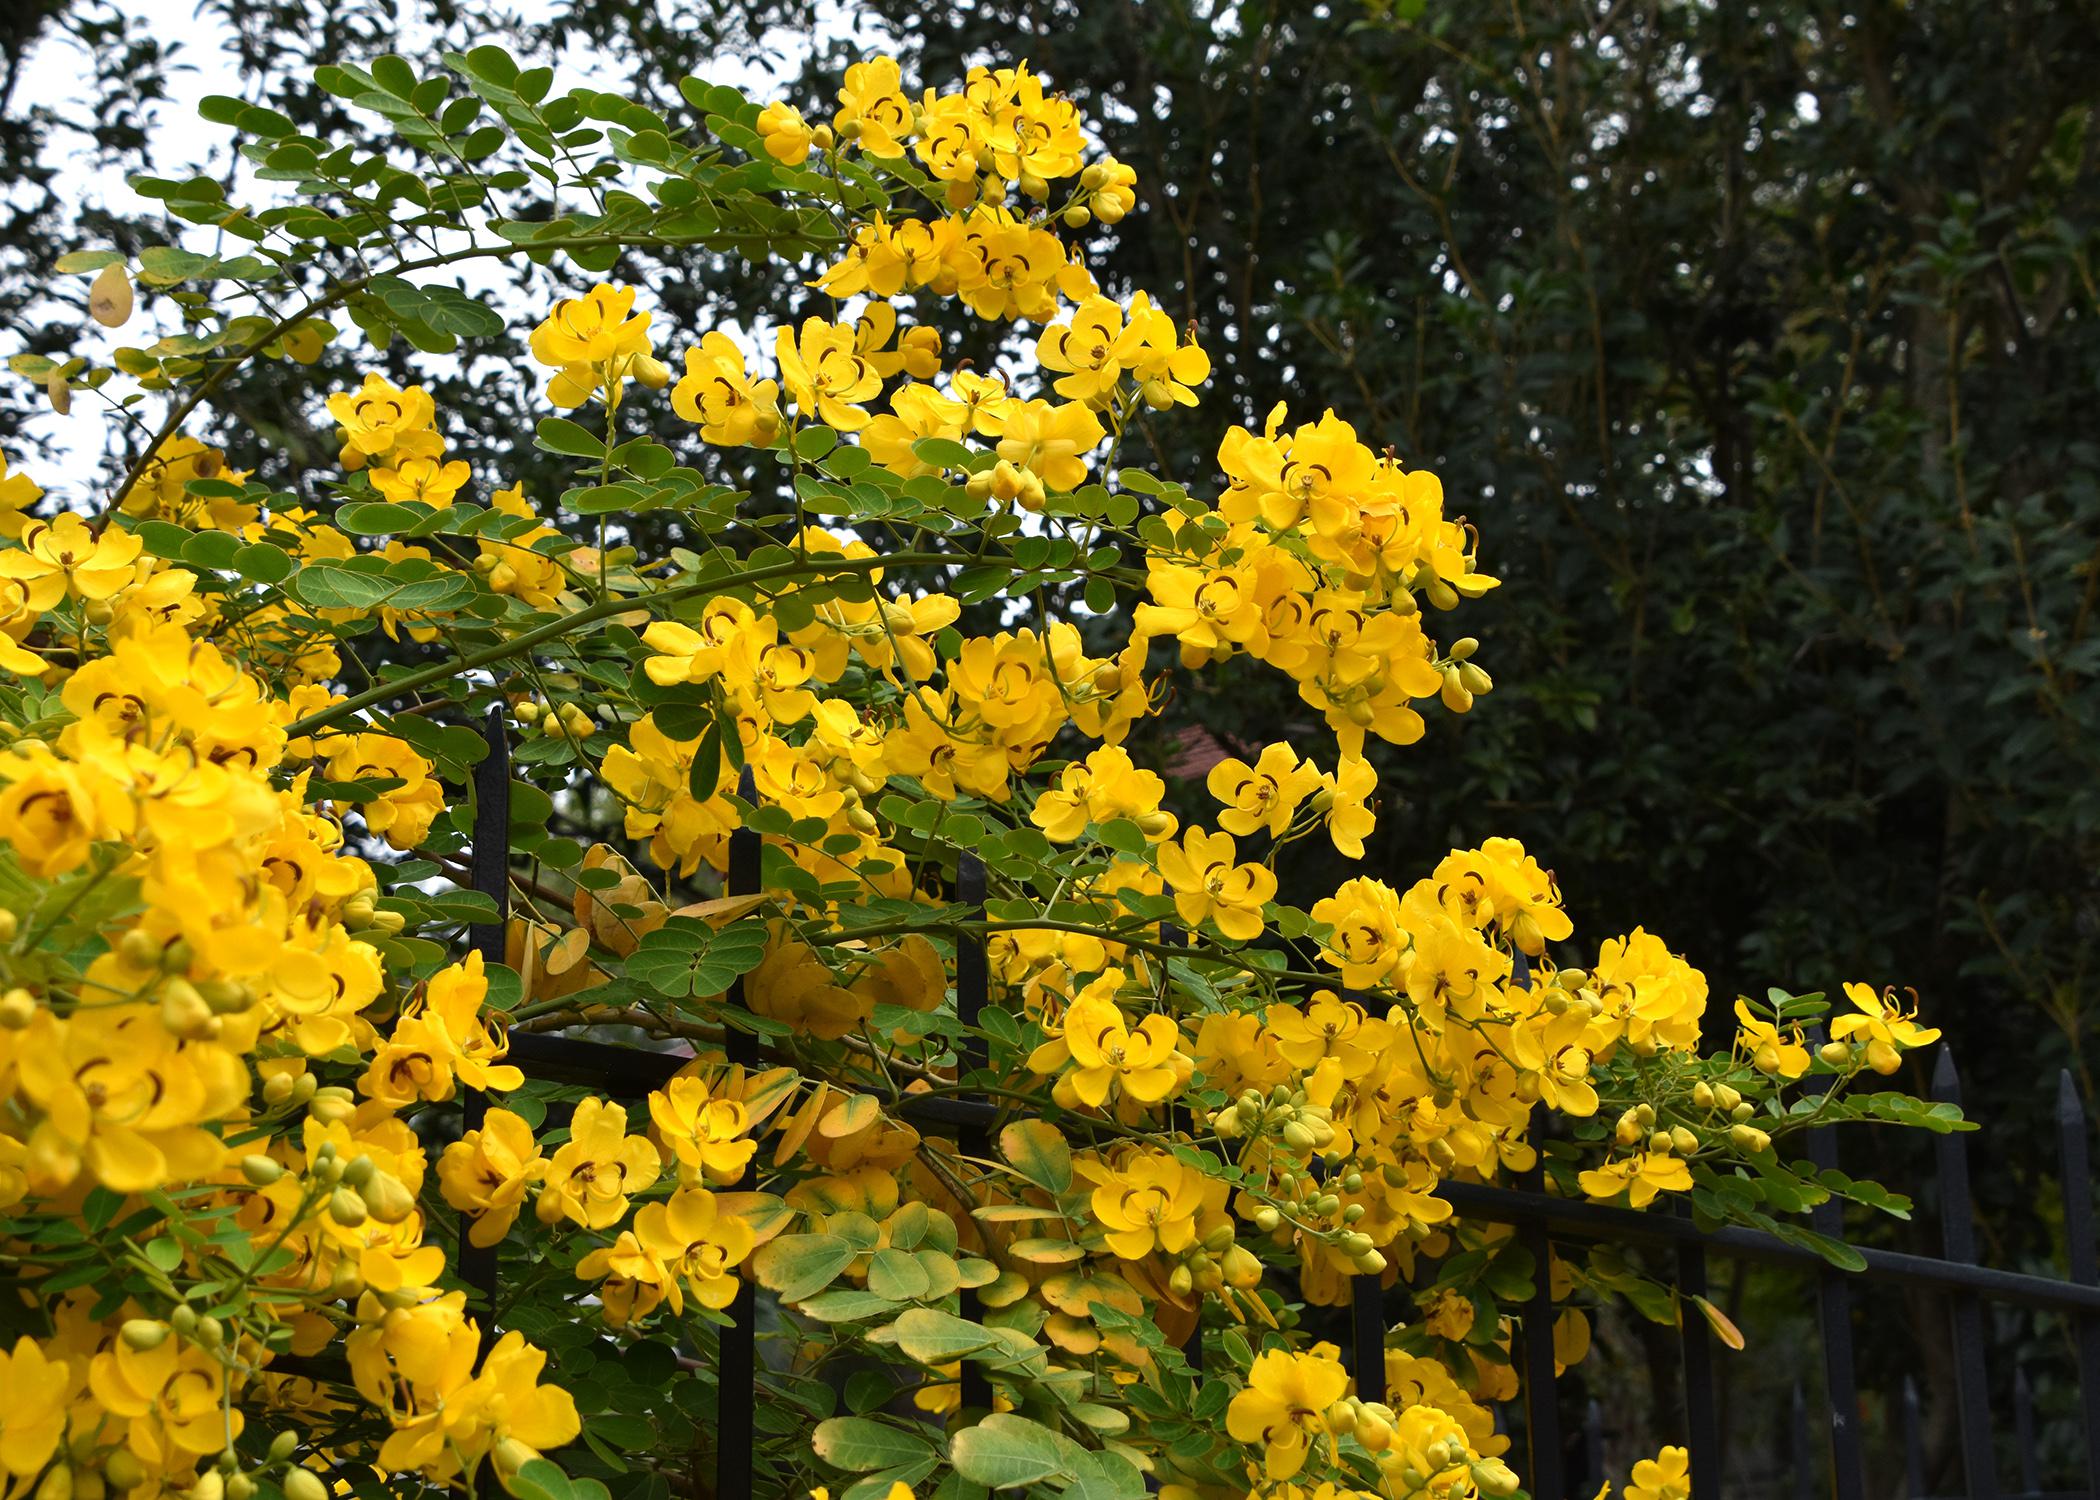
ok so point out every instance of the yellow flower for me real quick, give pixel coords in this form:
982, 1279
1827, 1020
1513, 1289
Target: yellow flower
597, 1169
17, 493
591, 341
826, 375
1107, 785
485, 1173
1107, 1055
440, 1036
731, 409
697, 1243
1667, 1476
1050, 441
34, 1416
786, 134
1882, 1026
1207, 883
707, 1135
1284, 1406
401, 814
422, 479
1639, 1177
93, 567
874, 112
377, 418
171, 1396
1770, 1050
1265, 795
1347, 794
53, 810
1369, 943
1149, 1201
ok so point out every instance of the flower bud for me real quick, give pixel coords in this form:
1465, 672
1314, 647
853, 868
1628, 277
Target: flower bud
1182, 1281
1749, 1138
1078, 217
57, 1484
1703, 1095
1683, 1140
1094, 177
332, 1105
304, 1484
359, 1172
1836, 1054
210, 1485
347, 1208
17, 1009
284, 1445
183, 1319
387, 1199
1660, 1143
143, 1334
122, 1470
1490, 1475
1267, 1219
239, 1487
211, 1333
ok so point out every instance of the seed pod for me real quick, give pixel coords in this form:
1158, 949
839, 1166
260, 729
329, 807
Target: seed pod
110, 300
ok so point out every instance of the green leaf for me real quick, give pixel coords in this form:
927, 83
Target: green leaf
796, 1266
560, 435
1004, 1452
859, 1444
934, 1338
87, 260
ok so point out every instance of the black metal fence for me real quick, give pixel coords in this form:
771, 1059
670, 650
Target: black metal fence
1539, 1218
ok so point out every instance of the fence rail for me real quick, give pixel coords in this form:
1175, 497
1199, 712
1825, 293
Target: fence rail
1540, 1219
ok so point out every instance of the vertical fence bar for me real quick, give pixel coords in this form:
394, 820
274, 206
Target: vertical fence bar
1541, 1393
737, 1392
1592, 1447
1834, 1314
2074, 1155
491, 876
2023, 1433
973, 979
1913, 1443
1964, 1309
1701, 1421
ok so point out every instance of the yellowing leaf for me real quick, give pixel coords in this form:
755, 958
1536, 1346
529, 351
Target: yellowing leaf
856, 1114
1723, 1328
1036, 1150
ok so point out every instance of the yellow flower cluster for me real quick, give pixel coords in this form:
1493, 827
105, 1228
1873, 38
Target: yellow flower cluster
234, 1025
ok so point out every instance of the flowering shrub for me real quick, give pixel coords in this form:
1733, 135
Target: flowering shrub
240, 1018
